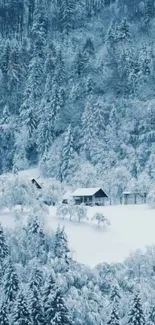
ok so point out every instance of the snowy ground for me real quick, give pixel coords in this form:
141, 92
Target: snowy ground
132, 227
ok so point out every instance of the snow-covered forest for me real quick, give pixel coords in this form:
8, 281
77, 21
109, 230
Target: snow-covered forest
42, 284
77, 90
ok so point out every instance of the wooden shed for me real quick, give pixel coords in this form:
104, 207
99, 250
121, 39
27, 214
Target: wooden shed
134, 198
89, 196
36, 184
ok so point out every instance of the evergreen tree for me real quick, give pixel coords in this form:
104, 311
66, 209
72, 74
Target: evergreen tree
114, 317
11, 284
36, 308
149, 11
114, 298
4, 314
49, 111
48, 295
151, 318
136, 314
61, 243
21, 314
88, 130
67, 155
4, 251
57, 313
36, 279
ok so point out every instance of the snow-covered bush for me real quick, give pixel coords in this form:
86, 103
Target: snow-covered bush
62, 211
81, 212
101, 220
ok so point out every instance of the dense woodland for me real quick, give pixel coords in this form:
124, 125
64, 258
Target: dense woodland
77, 90
41, 283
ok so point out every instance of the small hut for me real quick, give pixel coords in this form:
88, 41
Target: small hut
89, 196
36, 184
134, 198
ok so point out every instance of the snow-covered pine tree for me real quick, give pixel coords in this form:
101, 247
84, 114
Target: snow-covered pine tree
36, 280
48, 295
114, 317
61, 243
49, 109
4, 314
36, 240
114, 298
4, 250
151, 316
88, 130
67, 15
136, 314
11, 283
57, 313
67, 155
36, 308
21, 313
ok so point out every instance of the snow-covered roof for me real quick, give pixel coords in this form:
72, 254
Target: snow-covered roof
86, 191
126, 192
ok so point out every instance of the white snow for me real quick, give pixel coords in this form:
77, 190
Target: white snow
132, 227
85, 191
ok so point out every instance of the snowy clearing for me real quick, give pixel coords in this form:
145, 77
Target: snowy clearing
132, 227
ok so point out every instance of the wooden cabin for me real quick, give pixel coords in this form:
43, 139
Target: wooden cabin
89, 196
134, 198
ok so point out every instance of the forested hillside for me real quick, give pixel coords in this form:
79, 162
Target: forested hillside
77, 89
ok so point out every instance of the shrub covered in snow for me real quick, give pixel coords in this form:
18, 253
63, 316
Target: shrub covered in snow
62, 211
101, 220
81, 212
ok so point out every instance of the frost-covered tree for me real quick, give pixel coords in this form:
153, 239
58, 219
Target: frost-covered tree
81, 211
67, 158
4, 319
48, 295
115, 301
36, 308
88, 130
136, 314
60, 243
58, 313
21, 313
101, 219
151, 316
4, 250
11, 283
36, 279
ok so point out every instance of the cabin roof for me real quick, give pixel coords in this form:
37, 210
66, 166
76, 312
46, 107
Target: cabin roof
86, 191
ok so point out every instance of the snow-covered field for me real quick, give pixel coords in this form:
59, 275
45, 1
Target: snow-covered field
132, 227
